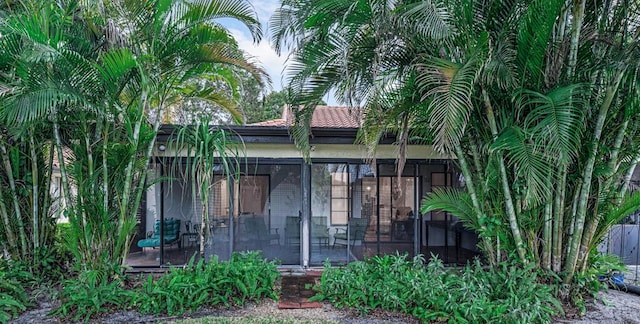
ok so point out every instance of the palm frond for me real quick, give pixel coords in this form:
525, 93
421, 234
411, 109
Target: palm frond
530, 161
629, 205
454, 201
450, 85
206, 11
555, 119
430, 19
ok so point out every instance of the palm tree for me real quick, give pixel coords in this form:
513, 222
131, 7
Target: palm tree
111, 83
497, 84
175, 44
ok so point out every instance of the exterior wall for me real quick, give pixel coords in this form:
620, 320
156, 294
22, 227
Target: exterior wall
329, 151
152, 200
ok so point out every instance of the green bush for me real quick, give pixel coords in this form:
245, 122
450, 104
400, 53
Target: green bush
246, 276
13, 296
504, 294
93, 292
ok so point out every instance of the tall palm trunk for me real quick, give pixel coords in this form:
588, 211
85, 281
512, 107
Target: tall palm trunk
468, 177
35, 210
46, 206
583, 198
592, 224
129, 171
14, 197
578, 17
64, 177
558, 219
504, 180
547, 234
8, 228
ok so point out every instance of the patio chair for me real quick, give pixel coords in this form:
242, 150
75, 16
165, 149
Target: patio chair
319, 230
256, 229
292, 230
171, 229
355, 231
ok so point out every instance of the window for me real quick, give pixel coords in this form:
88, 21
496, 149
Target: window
339, 198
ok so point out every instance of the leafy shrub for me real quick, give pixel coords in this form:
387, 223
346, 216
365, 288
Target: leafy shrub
594, 279
93, 292
504, 294
246, 276
13, 297
507, 294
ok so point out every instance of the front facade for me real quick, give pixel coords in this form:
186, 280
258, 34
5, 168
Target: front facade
337, 208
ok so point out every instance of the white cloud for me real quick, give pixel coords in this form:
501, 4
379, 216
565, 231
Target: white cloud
265, 8
263, 54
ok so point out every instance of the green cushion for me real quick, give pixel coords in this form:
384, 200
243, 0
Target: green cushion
171, 234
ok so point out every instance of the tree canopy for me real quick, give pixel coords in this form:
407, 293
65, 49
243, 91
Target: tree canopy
537, 100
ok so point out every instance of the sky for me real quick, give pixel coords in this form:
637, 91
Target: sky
262, 52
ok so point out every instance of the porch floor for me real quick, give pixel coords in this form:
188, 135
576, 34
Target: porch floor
290, 255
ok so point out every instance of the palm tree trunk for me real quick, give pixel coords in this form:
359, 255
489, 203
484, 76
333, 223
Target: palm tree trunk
466, 172
16, 205
558, 219
581, 212
592, 224
8, 229
66, 190
547, 234
105, 169
577, 17
147, 159
45, 208
143, 176
125, 209
614, 163
504, 179
35, 194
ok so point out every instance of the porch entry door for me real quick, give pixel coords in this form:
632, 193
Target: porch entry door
396, 221
442, 232
266, 213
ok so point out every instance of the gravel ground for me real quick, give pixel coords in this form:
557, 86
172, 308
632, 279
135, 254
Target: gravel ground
613, 307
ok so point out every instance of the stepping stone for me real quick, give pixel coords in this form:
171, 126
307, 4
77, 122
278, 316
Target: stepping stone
296, 291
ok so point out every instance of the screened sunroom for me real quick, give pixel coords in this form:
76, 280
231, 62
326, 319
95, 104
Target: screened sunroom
336, 208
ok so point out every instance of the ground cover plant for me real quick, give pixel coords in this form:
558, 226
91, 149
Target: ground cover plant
92, 292
13, 295
245, 277
503, 294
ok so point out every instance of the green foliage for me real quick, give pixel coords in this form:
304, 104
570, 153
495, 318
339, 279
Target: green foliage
93, 292
503, 294
13, 297
245, 277
594, 279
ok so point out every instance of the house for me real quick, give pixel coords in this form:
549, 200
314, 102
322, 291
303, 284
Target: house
337, 208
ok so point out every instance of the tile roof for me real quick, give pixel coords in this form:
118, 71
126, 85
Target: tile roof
323, 117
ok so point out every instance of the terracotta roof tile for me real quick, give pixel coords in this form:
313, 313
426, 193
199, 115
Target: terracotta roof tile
323, 117
272, 123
